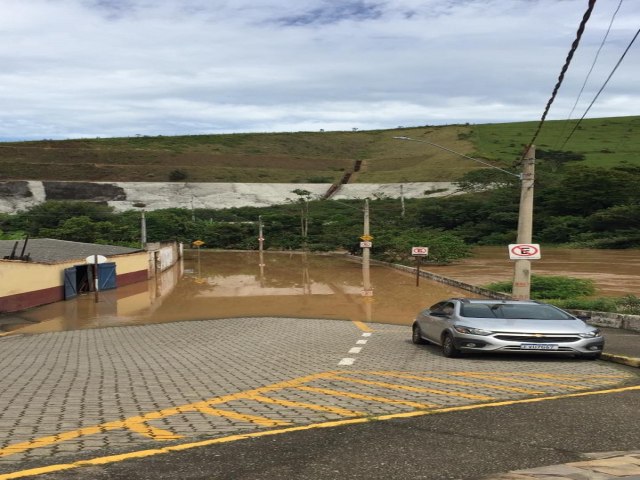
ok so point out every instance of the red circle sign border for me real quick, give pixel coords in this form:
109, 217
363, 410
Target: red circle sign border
535, 250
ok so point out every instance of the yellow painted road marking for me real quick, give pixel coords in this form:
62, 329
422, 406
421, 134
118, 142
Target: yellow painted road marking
309, 406
411, 389
362, 326
371, 398
151, 432
139, 425
562, 376
523, 381
458, 382
265, 422
134, 421
264, 433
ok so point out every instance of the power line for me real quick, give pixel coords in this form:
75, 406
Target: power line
595, 60
575, 127
565, 67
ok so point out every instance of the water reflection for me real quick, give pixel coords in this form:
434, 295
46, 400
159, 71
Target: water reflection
236, 284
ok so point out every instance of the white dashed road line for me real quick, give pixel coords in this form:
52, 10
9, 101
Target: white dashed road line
355, 350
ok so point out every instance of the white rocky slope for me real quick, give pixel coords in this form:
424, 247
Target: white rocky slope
21, 195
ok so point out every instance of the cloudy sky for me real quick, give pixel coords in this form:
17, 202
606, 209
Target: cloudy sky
88, 68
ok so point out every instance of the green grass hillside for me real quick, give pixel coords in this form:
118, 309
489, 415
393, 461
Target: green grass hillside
312, 157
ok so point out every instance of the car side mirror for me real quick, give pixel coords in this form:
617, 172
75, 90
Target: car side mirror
584, 318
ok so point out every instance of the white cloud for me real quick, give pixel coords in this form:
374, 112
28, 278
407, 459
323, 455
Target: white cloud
124, 67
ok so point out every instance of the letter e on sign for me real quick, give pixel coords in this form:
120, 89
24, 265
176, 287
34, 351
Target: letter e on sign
524, 251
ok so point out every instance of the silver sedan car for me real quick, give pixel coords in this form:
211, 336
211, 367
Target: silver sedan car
510, 326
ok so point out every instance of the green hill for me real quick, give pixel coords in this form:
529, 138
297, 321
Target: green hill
313, 157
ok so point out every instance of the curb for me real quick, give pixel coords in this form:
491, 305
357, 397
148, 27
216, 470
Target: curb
629, 361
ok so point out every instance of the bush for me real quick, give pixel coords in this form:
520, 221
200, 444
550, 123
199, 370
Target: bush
629, 304
547, 287
177, 176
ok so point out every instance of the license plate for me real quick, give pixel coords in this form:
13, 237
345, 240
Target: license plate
538, 346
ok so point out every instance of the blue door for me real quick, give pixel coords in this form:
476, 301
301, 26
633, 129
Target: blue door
70, 284
106, 276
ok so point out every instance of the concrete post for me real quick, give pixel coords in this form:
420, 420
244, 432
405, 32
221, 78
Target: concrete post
522, 270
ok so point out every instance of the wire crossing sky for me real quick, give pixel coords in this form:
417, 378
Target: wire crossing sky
103, 68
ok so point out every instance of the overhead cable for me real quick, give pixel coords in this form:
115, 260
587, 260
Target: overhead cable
565, 67
575, 127
595, 60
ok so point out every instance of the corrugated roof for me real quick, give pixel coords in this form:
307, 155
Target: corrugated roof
48, 250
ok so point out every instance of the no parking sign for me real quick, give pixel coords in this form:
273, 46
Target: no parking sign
524, 251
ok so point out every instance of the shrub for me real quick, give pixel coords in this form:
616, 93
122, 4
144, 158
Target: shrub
556, 287
177, 176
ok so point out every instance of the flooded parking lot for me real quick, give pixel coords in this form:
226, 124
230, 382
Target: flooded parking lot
293, 284
210, 285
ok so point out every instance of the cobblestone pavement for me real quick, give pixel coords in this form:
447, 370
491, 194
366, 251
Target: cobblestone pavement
130, 388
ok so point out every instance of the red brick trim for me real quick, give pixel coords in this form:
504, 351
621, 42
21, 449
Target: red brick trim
132, 277
22, 301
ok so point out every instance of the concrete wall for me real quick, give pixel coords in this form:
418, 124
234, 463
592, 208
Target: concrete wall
25, 284
163, 255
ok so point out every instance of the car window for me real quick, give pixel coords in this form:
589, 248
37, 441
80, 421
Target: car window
510, 310
478, 310
448, 308
437, 307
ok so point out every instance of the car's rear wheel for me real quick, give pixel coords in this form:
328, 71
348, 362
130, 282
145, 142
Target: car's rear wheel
416, 336
449, 349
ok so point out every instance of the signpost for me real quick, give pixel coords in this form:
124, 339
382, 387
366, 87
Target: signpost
419, 252
524, 251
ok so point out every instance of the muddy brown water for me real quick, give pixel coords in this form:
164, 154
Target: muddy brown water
234, 284
239, 284
616, 273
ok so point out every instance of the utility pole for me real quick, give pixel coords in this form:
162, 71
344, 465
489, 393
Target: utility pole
260, 241
366, 262
402, 199
365, 250
522, 271
143, 230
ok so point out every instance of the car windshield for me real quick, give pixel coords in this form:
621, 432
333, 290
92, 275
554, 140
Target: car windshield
511, 310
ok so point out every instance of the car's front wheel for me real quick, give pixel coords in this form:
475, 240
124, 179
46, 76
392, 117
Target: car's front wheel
416, 335
449, 349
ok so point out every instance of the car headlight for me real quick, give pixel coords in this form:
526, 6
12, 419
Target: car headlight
591, 334
471, 330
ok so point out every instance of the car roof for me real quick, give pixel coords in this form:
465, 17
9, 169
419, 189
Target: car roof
493, 301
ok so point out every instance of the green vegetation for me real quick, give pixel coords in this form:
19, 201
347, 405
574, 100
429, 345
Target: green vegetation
551, 287
311, 157
316, 225
628, 305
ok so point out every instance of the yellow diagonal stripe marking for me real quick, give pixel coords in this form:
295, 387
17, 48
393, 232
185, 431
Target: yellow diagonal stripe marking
151, 432
122, 424
412, 389
523, 381
370, 398
265, 433
458, 382
309, 406
263, 421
